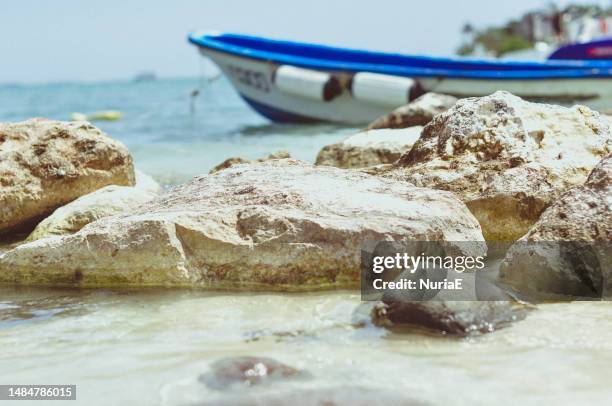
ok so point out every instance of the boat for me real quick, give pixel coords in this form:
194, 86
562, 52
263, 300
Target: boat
295, 82
145, 76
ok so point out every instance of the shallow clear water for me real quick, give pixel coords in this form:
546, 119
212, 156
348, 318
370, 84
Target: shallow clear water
166, 139
149, 347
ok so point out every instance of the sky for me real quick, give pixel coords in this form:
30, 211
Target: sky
74, 40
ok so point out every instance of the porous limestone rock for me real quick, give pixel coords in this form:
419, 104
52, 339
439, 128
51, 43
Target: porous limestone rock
45, 164
506, 158
418, 112
369, 148
569, 250
229, 162
108, 201
280, 224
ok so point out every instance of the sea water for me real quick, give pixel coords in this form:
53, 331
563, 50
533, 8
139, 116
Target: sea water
171, 135
148, 347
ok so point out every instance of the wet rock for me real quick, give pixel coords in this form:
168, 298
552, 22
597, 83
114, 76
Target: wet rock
478, 307
419, 112
280, 224
369, 148
506, 158
35, 310
108, 201
569, 250
45, 164
228, 163
335, 396
461, 318
248, 371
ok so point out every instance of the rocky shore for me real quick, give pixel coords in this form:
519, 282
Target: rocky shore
477, 170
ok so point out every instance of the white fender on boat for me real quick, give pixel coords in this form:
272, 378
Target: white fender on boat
384, 90
307, 83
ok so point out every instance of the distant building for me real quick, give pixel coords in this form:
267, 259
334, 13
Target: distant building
588, 28
538, 28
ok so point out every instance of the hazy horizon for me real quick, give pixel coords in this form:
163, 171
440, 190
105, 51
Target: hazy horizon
70, 40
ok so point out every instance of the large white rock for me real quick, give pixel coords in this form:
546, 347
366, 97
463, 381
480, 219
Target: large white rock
506, 158
108, 201
569, 250
281, 224
369, 148
45, 164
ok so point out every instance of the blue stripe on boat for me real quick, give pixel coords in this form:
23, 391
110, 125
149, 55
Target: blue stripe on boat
328, 58
278, 115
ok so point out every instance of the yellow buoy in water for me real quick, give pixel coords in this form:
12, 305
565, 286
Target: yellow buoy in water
108, 115
78, 117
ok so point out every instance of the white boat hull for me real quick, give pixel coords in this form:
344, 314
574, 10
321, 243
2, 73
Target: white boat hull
252, 79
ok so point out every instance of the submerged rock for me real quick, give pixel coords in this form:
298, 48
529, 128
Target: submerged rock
229, 162
369, 148
248, 371
280, 224
506, 158
569, 250
418, 112
108, 201
326, 396
45, 164
461, 318
477, 307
